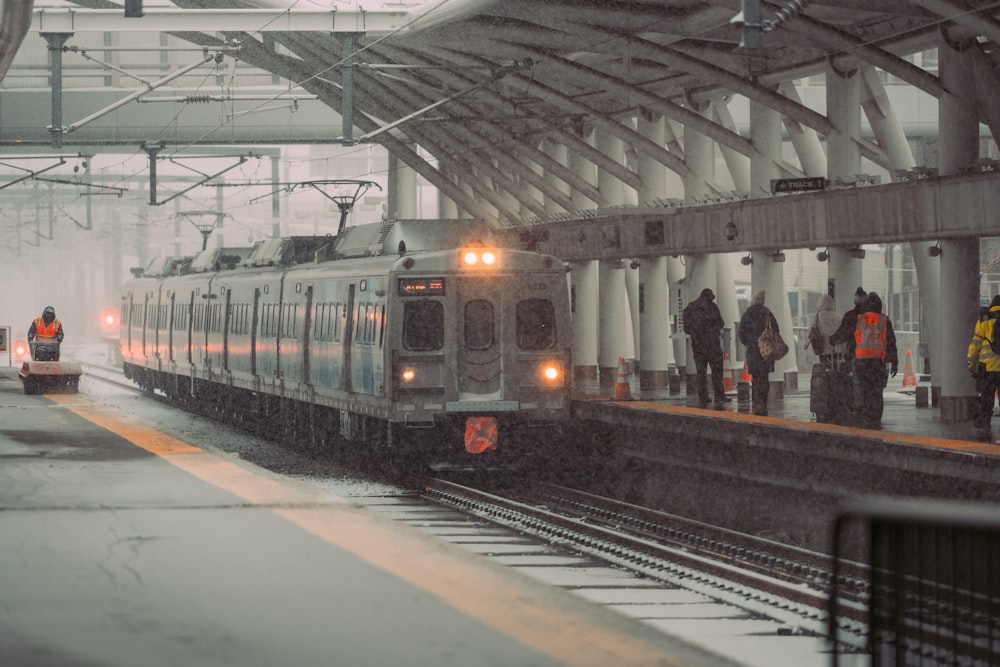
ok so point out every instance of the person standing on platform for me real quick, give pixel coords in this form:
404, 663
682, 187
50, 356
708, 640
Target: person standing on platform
984, 363
826, 323
849, 322
875, 358
703, 323
752, 325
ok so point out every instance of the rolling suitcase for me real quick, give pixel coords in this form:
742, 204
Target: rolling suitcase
830, 393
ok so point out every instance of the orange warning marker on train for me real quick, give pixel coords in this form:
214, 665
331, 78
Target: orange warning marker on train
727, 375
622, 390
909, 378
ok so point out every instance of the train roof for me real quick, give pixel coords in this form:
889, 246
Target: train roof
388, 237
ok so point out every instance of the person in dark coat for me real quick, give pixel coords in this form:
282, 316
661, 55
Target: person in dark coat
703, 323
875, 357
752, 325
844, 335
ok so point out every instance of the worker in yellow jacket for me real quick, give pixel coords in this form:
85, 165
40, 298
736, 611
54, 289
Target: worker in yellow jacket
984, 362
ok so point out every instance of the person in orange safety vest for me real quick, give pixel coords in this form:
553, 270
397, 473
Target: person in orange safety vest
46, 328
875, 358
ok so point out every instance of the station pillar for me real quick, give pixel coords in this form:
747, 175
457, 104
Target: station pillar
958, 133
583, 291
656, 348
614, 322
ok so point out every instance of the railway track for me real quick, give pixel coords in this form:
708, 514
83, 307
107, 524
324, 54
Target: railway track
763, 577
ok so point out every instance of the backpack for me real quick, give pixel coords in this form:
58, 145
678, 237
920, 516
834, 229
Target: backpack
693, 320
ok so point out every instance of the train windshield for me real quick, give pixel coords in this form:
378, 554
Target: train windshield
423, 325
536, 324
479, 324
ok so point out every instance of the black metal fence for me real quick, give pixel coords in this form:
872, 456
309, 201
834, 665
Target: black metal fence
934, 593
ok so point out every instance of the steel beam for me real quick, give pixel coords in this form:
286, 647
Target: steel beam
372, 23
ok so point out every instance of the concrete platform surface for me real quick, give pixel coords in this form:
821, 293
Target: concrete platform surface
123, 546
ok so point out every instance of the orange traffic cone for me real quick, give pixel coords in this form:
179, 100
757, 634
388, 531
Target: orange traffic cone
623, 392
727, 375
746, 374
909, 378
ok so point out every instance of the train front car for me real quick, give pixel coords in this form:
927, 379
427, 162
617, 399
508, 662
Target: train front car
481, 357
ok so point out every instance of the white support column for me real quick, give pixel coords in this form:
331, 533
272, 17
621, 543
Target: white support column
845, 275
656, 355
769, 276
583, 281
805, 140
737, 163
560, 153
843, 101
402, 190
765, 134
656, 350
612, 189
586, 170
891, 138
614, 322
632, 290
728, 306
447, 207
958, 134
652, 173
675, 290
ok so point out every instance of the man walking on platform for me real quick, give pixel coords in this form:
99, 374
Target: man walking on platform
984, 363
703, 323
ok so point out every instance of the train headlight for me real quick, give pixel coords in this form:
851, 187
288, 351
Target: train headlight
109, 319
407, 375
551, 372
479, 258
20, 349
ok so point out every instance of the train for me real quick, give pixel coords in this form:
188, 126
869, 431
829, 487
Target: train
421, 342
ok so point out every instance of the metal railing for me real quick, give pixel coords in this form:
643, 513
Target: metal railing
934, 593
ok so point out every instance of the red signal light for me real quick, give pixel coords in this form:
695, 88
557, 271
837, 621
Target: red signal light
109, 319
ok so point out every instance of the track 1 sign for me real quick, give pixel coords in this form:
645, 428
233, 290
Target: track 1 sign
779, 185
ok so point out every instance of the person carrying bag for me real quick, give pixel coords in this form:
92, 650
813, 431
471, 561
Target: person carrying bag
758, 330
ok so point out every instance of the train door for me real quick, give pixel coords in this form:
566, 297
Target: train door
227, 314
170, 328
190, 330
349, 340
480, 350
306, 335
253, 331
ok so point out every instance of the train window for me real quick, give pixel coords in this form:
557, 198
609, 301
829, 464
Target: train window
479, 324
369, 323
180, 321
381, 328
423, 325
288, 320
267, 328
536, 324
338, 322
215, 318
199, 316
318, 314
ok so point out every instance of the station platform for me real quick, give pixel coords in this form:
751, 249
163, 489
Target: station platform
900, 414
125, 546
